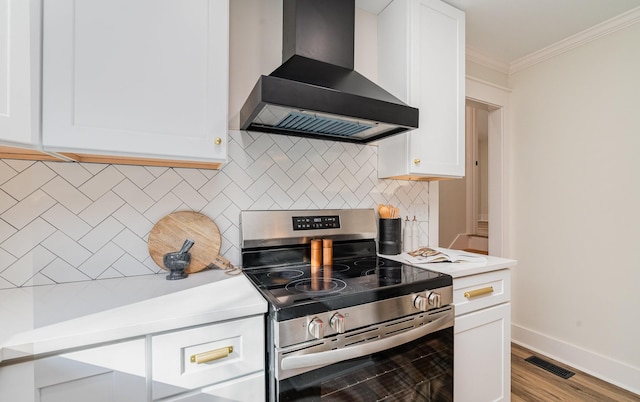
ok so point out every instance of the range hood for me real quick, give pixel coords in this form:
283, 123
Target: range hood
315, 92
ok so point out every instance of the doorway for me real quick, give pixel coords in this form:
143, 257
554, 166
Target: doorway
476, 204
464, 203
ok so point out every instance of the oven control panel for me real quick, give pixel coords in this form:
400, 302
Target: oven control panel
316, 222
321, 325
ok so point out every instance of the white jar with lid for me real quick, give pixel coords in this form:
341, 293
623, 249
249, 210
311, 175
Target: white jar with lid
407, 236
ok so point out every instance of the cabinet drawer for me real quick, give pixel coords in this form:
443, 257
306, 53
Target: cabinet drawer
250, 388
474, 292
180, 362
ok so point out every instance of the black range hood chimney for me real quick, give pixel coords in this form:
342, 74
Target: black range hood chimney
316, 93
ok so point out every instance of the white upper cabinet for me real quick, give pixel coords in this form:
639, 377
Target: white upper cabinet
421, 50
141, 79
19, 73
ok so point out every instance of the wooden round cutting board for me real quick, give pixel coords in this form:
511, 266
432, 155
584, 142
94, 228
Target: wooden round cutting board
170, 232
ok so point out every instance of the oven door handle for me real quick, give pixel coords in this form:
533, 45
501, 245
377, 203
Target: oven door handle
337, 355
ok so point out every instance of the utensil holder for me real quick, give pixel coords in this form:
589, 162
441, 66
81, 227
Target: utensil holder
389, 236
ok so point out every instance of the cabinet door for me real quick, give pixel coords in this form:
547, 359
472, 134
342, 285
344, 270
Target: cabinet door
19, 72
194, 358
103, 374
437, 147
250, 388
139, 78
482, 355
17, 382
430, 55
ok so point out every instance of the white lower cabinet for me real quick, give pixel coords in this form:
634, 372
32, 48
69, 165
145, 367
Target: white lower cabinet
108, 373
103, 374
482, 337
222, 360
17, 382
247, 388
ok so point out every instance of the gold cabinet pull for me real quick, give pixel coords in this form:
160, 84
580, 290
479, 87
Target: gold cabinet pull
416, 161
218, 141
211, 355
478, 292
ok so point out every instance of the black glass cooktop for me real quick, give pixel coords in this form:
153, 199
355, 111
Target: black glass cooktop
297, 290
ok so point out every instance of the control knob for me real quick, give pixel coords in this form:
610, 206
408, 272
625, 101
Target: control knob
431, 300
337, 323
316, 328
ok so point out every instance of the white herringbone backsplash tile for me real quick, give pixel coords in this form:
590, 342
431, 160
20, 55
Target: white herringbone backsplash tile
68, 222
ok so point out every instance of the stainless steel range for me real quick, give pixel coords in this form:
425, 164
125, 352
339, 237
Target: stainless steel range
344, 323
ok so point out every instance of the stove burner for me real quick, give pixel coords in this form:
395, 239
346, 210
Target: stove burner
369, 263
383, 271
288, 274
386, 275
374, 263
316, 286
279, 278
337, 267
371, 271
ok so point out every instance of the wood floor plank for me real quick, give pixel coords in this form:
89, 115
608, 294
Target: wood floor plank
532, 383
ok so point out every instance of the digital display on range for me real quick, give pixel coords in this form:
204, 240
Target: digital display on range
316, 222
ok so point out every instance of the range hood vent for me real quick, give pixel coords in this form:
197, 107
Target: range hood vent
321, 125
316, 92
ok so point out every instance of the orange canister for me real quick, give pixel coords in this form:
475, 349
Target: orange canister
316, 253
327, 252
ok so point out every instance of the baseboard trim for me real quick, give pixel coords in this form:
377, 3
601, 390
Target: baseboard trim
607, 369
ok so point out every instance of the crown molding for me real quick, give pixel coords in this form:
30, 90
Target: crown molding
588, 35
477, 57
487, 83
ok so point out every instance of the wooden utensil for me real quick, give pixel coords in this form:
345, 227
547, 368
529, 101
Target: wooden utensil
170, 232
388, 211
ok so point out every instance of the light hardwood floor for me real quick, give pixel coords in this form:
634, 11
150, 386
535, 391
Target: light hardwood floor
531, 383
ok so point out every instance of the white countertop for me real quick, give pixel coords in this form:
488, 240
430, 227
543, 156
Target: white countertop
44, 319
460, 269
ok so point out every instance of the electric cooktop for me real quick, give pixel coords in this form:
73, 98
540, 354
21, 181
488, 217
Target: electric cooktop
301, 289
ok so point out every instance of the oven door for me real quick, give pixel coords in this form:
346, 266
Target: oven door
409, 362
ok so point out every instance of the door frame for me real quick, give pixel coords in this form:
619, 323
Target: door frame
496, 99
471, 172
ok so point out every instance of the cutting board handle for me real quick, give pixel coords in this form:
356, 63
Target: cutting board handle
222, 263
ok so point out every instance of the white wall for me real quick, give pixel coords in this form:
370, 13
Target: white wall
255, 48
452, 209
366, 45
575, 206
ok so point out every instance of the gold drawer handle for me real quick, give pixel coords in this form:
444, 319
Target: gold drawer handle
211, 355
416, 161
478, 292
217, 141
